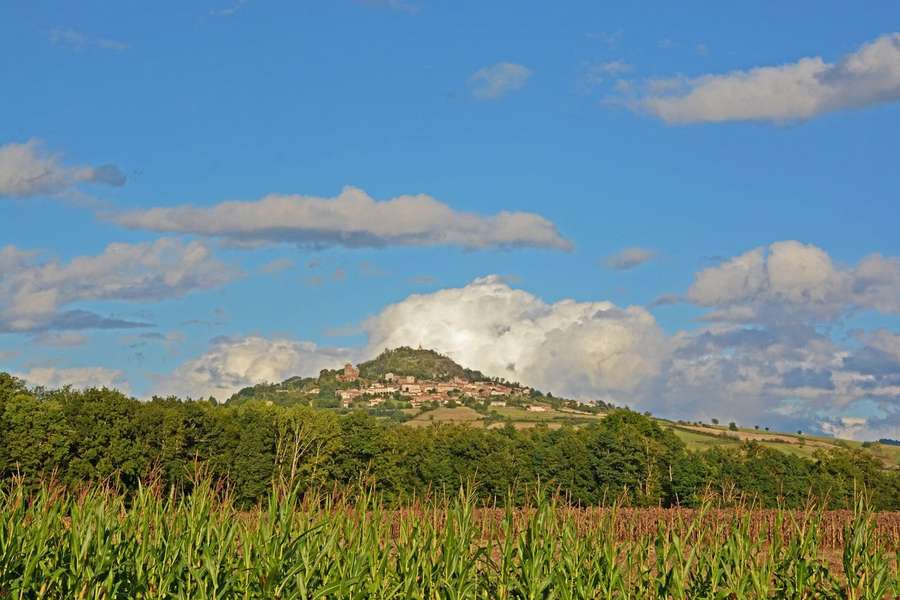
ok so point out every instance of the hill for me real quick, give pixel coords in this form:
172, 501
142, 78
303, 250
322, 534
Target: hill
514, 405
420, 363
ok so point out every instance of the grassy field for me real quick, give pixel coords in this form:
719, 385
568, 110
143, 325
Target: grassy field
98, 545
518, 416
460, 414
696, 437
707, 436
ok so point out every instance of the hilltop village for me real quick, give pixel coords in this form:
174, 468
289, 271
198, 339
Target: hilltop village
419, 392
401, 379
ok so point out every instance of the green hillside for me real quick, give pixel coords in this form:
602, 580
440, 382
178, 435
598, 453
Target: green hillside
705, 436
420, 363
425, 364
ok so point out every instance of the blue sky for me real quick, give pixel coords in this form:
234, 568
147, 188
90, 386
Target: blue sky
643, 126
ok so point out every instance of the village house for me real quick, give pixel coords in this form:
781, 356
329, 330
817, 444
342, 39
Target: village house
536, 408
377, 389
348, 396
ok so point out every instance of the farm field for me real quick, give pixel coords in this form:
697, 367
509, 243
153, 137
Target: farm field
519, 417
696, 437
95, 544
460, 414
702, 437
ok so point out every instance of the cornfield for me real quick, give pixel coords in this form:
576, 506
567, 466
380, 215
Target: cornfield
97, 544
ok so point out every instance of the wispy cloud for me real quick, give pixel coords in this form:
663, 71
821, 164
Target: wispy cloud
229, 10
498, 80
595, 74
33, 294
629, 258
77, 40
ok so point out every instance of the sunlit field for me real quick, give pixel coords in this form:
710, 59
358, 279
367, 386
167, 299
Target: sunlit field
96, 543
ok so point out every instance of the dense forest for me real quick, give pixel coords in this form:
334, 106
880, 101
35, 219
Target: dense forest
102, 435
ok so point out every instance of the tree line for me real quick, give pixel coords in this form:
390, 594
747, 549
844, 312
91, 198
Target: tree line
102, 435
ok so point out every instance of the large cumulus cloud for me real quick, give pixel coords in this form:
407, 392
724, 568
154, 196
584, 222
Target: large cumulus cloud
774, 348
579, 349
790, 281
232, 363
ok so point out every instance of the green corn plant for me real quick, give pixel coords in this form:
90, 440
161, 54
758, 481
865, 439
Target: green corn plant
799, 571
866, 567
97, 543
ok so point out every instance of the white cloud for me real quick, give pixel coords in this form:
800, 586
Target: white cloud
77, 40
884, 340
595, 74
787, 378
498, 80
77, 377
876, 283
629, 258
790, 281
352, 219
32, 294
233, 363
581, 349
229, 10
854, 428
765, 358
26, 170
801, 90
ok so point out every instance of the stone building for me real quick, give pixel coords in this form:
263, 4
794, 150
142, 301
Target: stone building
350, 373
